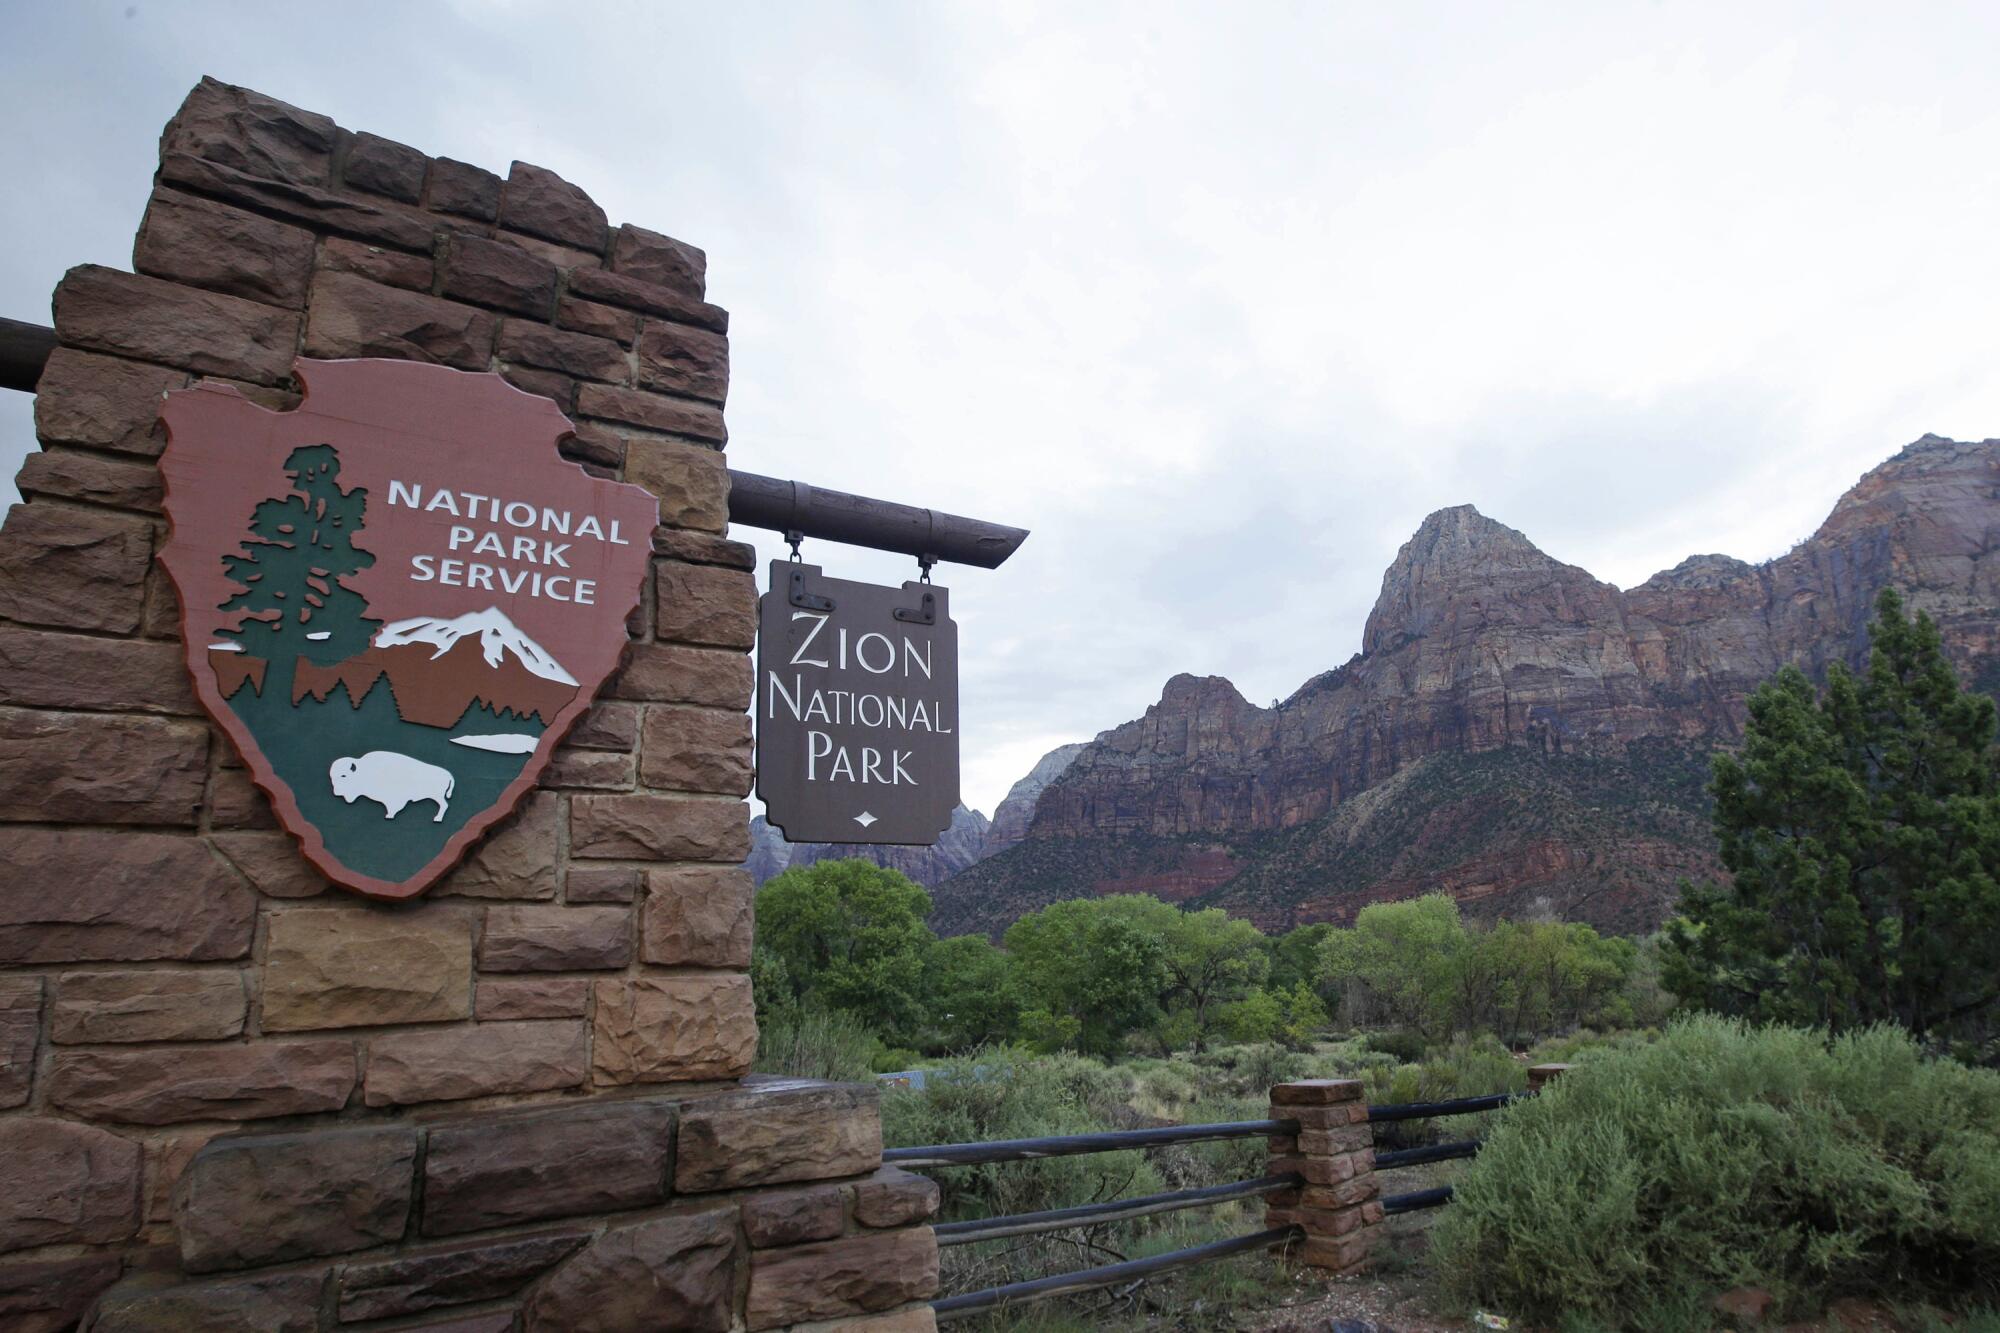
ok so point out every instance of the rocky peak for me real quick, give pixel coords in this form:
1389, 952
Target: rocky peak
1013, 815
1459, 559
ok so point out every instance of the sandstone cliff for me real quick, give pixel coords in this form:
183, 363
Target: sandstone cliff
1479, 642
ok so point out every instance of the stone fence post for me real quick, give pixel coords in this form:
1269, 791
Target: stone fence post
1540, 1076
1338, 1205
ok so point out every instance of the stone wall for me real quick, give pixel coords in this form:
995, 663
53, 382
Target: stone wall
248, 1100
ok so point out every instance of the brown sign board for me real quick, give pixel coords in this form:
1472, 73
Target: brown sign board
857, 709
396, 599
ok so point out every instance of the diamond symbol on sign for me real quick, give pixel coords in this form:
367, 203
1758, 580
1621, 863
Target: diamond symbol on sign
864, 819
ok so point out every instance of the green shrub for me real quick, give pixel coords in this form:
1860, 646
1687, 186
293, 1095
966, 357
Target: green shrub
1406, 1046
831, 1044
1722, 1156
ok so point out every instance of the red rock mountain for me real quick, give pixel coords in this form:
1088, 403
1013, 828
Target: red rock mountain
1514, 730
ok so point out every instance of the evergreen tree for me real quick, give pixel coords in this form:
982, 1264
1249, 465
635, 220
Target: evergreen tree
1861, 829
290, 568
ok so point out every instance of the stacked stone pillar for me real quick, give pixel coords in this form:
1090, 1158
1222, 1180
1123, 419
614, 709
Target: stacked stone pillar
1540, 1076
1339, 1205
231, 1097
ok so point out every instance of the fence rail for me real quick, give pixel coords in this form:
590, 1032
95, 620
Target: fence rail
1023, 1150
1110, 1275
1120, 1210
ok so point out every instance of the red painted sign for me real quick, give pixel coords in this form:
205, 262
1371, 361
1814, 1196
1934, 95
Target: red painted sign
396, 599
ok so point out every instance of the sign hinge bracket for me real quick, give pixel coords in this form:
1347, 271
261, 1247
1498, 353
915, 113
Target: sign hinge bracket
807, 601
919, 615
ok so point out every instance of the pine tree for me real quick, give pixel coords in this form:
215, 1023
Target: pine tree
1861, 829
291, 566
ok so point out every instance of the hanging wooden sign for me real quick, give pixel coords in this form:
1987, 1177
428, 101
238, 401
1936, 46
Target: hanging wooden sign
857, 709
395, 599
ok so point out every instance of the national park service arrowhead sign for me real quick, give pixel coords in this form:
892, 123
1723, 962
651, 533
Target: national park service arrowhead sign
396, 599
857, 709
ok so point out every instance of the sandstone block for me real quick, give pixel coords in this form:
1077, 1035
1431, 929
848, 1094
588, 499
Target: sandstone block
65, 1183
308, 205
205, 1004
1343, 1254
274, 1303
661, 260
167, 1159
20, 1037
571, 353
497, 274
44, 669
778, 1131
74, 568
337, 967
638, 407
676, 1272
793, 1217
909, 1319
500, 998
674, 1029
662, 828
558, 389
188, 239
677, 358
593, 1159
461, 188
669, 673
1342, 1139
170, 1085
893, 1197
69, 475
539, 202
1317, 1092
594, 448
271, 861
701, 548
235, 803
49, 1296
602, 884
149, 319
841, 1277
555, 938
705, 604
266, 1198
697, 749
1324, 1117
517, 860
103, 402
456, 1275
691, 483
619, 289
354, 317
450, 1064
193, 907
385, 167
1341, 1194
697, 916
591, 770
607, 726
100, 768
376, 263
599, 321
252, 133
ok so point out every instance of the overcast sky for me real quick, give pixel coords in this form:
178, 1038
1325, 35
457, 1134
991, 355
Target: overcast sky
1219, 300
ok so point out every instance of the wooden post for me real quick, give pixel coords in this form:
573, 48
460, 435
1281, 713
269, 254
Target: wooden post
1339, 1205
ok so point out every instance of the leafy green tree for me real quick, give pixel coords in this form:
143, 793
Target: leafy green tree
1091, 970
1861, 829
969, 990
1407, 957
850, 935
1295, 955
1211, 958
290, 568
1302, 1016
1255, 1017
